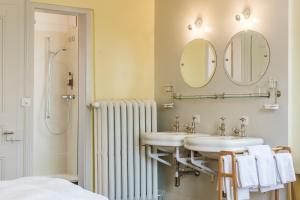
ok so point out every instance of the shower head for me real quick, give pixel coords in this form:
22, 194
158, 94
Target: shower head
57, 52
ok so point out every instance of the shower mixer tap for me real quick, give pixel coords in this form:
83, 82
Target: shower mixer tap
68, 97
70, 80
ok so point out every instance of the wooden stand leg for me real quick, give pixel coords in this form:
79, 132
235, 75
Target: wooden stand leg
276, 194
220, 181
293, 194
234, 178
235, 191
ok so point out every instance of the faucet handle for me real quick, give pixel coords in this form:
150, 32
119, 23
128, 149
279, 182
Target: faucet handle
187, 127
236, 131
223, 118
244, 120
194, 119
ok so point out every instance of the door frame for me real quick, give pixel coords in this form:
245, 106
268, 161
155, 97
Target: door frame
86, 87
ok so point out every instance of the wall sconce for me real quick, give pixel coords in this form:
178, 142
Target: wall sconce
244, 15
197, 24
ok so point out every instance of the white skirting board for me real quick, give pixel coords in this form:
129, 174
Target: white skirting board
122, 169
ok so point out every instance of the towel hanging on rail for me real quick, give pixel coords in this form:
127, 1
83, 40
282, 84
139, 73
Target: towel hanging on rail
285, 167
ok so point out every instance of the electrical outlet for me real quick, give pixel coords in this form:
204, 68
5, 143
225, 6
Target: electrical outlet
197, 118
246, 122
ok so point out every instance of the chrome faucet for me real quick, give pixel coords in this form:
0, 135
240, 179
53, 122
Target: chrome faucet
176, 125
191, 129
243, 127
222, 127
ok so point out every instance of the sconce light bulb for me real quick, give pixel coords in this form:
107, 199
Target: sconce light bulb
196, 24
244, 15
247, 13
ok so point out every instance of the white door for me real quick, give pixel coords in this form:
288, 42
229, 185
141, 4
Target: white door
11, 88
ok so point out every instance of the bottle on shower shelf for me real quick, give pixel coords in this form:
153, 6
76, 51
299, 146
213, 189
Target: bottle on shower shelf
70, 80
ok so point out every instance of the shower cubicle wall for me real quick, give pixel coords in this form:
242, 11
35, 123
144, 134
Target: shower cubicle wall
55, 118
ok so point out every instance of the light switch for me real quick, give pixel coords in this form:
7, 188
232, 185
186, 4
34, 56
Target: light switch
26, 102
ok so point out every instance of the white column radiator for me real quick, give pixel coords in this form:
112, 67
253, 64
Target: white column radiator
122, 170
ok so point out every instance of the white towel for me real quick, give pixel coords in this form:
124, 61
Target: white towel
266, 167
243, 193
271, 188
247, 172
285, 167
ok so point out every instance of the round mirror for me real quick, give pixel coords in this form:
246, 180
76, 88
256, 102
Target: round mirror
247, 57
198, 63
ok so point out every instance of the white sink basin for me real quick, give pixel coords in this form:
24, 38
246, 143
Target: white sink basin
214, 144
166, 139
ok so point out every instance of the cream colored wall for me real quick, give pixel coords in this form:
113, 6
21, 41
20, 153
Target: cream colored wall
294, 80
294, 74
124, 46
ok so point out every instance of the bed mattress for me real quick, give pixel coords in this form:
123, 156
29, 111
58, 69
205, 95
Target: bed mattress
43, 188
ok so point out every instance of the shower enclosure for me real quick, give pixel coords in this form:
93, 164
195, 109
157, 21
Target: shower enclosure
55, 96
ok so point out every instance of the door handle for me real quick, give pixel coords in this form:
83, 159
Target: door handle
10, 136
8, 133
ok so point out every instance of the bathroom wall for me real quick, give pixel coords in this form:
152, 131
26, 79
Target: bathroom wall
171, 34
55, 139
124, 46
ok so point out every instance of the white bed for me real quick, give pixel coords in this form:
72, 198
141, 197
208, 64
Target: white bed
43, 188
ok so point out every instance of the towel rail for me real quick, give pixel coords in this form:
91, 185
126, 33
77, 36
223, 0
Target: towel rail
233, 175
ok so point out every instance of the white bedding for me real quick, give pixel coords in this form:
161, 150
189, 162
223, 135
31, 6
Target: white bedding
43, 188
